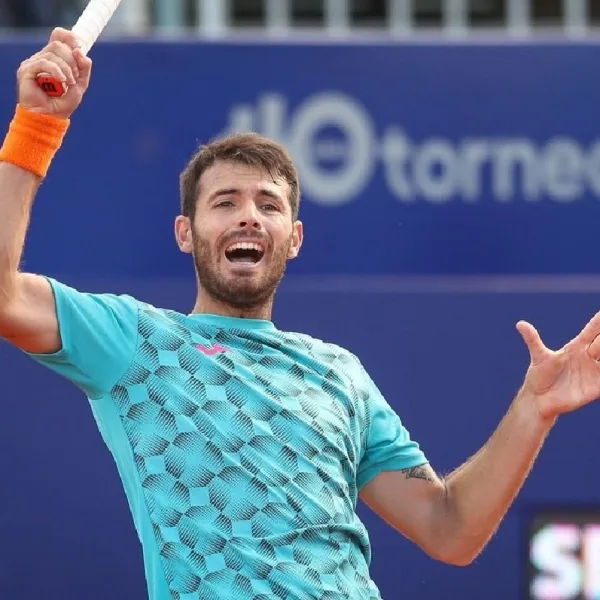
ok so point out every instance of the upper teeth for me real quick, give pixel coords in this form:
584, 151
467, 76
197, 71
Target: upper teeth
245, 246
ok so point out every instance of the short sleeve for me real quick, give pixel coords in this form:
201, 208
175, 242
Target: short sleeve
388, 445
98, 338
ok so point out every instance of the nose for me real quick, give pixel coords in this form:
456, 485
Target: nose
250, 218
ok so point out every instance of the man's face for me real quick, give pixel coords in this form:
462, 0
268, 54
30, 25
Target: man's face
243, 234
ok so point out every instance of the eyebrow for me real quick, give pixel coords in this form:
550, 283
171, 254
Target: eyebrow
232, 191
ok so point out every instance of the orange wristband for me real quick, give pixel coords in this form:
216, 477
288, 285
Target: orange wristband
32, 140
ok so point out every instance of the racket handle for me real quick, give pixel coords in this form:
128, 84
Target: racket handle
50, 85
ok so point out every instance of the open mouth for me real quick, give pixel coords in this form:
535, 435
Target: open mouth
249, 253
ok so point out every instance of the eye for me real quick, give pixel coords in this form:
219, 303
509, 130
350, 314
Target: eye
269, 207
224, 203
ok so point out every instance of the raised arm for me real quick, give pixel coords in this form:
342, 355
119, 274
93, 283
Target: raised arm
453, 518
27, 308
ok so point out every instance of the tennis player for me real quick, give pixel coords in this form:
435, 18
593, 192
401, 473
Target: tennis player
243, 449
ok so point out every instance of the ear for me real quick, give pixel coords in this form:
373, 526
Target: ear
183, 234
297, 238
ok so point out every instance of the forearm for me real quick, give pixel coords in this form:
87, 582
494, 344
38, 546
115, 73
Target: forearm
17, 191
479, 493
28, 149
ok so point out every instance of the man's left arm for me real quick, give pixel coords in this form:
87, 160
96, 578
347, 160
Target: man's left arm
453, 518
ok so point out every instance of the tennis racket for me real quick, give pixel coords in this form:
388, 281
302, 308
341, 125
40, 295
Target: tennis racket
88, 28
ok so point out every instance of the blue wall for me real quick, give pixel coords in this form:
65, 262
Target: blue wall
417, 159
461, 159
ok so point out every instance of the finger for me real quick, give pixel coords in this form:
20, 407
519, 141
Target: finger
594, 349
84, 66
70, 73
65, 52
40, 64
43, 65
65, 36
590, 332
534, 343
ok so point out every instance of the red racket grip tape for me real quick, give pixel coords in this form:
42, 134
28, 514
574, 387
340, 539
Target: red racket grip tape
51, 85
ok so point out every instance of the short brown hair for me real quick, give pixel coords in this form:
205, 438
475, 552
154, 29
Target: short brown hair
249, 149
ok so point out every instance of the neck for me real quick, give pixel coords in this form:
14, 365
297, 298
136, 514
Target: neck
205, 304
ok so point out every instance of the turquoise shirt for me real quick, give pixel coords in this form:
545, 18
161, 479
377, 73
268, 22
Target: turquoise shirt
241, 448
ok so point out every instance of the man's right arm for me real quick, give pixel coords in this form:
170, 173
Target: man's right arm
28, 317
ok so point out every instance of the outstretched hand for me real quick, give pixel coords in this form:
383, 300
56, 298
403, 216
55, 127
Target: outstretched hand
563, 380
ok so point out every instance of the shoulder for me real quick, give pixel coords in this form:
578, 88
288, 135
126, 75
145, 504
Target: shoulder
64, 292
154, 317
89, 310
106, 309
327, 352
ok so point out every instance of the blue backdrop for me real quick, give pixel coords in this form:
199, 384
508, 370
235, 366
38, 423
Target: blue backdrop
438, 158
441, 159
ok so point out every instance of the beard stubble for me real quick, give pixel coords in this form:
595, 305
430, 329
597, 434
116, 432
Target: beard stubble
242, 292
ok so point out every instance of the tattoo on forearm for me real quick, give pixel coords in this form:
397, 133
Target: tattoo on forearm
418, 473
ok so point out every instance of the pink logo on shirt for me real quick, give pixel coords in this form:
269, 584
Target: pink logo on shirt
211, 350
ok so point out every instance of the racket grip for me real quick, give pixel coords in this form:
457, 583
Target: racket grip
50, 85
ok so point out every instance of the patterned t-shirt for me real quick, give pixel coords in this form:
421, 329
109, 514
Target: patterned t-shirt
241, 448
